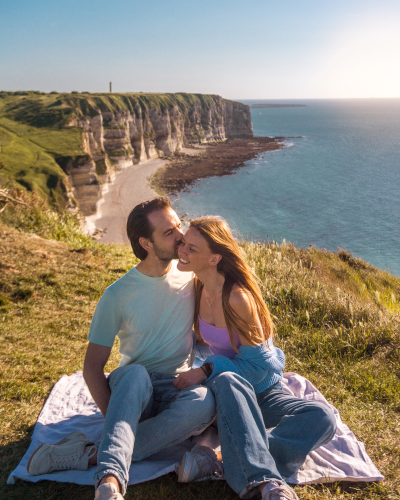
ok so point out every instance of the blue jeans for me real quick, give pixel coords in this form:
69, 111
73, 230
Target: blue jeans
265, 436
146, 414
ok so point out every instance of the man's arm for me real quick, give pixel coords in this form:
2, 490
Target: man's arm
93, 373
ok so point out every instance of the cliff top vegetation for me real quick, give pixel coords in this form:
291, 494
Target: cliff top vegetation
34, 129
56, 110
27, 152
336, 316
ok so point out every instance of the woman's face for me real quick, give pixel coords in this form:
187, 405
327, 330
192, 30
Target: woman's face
194, 252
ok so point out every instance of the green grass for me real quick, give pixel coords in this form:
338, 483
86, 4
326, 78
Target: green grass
101, 167
35, 140
337, 320
29, 153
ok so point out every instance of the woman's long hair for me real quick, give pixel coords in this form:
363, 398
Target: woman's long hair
236, 272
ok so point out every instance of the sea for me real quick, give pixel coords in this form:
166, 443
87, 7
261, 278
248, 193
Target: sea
336, 184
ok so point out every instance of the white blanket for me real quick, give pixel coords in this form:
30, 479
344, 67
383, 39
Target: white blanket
70, 407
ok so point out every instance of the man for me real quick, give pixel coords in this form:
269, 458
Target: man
151, 310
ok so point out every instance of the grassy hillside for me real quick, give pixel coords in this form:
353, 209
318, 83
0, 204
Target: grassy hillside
28, 153
337, 320
33, 132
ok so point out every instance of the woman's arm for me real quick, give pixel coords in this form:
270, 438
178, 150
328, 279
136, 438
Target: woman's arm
253, 362
244, 306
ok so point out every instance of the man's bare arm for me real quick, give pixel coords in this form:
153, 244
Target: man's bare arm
93, 373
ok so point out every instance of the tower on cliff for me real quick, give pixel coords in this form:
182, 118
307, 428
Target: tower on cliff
110, 86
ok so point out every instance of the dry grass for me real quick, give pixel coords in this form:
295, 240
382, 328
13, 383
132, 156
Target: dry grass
333, 325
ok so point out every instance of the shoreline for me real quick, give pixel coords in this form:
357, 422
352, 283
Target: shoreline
130, 187
210, 160
148, 180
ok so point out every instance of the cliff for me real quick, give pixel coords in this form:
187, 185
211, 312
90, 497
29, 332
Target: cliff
120, 130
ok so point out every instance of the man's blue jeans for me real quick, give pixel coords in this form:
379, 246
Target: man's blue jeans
146, 414
265, 436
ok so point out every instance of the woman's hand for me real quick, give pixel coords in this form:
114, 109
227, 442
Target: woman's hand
189, 378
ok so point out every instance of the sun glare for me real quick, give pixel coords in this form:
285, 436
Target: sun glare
365, 62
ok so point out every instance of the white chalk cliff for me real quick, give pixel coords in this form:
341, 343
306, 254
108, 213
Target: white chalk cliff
116, 136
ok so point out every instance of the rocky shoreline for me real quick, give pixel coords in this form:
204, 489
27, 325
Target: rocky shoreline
215, 159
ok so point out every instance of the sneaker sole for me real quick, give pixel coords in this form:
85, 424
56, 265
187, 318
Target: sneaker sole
182, 476
45, 446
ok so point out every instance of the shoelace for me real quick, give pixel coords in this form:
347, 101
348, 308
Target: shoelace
67, 462
70, 461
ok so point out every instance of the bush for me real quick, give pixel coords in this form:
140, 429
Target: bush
32, 214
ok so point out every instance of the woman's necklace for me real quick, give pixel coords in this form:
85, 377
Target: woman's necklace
215, 298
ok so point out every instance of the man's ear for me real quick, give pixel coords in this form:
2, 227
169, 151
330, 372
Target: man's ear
145, 243
215, 259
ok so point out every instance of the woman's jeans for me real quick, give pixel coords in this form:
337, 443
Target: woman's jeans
146, 414
265, 436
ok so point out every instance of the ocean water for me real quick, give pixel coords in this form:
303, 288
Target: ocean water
337, 186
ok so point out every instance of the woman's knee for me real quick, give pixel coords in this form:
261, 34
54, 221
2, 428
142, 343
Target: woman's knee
327, 421
228, 380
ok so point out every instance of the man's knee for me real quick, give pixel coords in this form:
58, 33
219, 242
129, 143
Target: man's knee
203, 399
130, 378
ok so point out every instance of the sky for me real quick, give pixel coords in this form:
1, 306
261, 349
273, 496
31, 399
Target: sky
253, 49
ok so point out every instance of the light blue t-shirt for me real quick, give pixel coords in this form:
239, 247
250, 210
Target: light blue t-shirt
153, 318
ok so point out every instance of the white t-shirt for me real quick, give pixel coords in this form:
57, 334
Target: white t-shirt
153, 318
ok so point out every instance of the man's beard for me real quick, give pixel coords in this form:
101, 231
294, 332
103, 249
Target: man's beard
166, 255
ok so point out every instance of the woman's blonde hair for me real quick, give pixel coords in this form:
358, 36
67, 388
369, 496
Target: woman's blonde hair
236, 271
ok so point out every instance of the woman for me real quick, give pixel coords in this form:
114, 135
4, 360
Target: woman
265, 433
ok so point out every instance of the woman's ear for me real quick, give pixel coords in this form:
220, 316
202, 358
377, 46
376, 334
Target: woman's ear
145, 243
215, 259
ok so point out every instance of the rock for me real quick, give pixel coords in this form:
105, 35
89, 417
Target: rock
116, 140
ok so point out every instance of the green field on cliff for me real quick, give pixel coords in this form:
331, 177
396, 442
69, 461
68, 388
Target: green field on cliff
337, 320
35, 139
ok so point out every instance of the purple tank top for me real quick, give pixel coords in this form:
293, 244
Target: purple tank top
218, 339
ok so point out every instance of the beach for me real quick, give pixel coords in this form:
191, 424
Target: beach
130, 187
139, 183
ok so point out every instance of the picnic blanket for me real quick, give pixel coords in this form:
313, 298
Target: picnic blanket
70, 407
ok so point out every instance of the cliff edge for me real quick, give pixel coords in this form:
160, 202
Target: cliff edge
116, 131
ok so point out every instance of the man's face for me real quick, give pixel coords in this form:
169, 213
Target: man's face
167, 234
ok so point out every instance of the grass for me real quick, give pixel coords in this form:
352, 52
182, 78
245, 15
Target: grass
337, 320
36, 139
29, 153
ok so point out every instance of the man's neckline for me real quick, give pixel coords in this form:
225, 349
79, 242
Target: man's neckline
163, 276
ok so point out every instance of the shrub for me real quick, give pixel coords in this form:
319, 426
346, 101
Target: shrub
31, 214
101, 167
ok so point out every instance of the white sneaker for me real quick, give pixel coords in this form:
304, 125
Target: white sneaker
277, 490
108, 491
69, 453
200, 464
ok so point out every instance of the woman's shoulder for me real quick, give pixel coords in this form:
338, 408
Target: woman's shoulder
241, 301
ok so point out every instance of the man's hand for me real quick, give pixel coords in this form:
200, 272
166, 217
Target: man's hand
189, 378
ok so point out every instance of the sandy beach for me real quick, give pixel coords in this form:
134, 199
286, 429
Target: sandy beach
130, 187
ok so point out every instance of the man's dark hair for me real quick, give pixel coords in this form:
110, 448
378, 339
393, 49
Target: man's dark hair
138, 225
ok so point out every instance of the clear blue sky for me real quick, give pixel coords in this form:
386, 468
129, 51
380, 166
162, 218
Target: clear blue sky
236, 48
